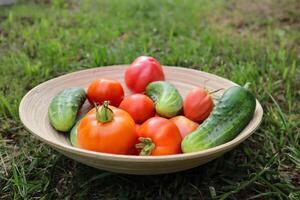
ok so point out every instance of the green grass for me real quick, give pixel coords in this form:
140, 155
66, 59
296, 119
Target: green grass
256, 42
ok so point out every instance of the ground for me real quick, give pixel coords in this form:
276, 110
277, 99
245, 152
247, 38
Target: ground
244, 41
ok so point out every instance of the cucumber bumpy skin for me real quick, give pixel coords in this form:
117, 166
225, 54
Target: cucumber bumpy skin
228, 118
64, 107
168, 101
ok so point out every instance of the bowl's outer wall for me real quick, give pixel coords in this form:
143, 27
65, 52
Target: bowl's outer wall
144, 168
33, 113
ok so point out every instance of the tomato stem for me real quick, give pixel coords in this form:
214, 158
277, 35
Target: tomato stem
105, 114
146, 145
215, 91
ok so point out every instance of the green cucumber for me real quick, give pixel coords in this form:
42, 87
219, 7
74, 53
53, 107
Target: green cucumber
168, 101
73, 134
229, 117
64, 107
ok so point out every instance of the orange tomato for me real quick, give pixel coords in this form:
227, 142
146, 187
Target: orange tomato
184, 125
159, 136
107, 129
105, 90
197, 105
139, 106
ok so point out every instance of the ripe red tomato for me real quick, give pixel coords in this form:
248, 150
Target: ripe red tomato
159, 136
139, 106
137, 126
107, 129
197, 105
134, 151
184, 125
141, 72
105, 90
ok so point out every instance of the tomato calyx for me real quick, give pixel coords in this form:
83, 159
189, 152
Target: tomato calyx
105, 114
215, 91
146, 145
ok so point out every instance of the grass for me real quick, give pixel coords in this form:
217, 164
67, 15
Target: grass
255, 41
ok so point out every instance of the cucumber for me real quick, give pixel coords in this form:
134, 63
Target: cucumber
228, 118
73, 134
64, 107
168, 101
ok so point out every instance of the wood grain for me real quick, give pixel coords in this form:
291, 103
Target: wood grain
33, 113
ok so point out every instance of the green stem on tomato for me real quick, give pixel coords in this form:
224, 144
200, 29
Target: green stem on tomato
105, 114
146, 145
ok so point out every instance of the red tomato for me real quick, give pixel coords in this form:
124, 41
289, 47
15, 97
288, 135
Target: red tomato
134, 151
139, 106
107, 129
137, 127
184, 125
141, 72
159, 136
197, 105
105, 90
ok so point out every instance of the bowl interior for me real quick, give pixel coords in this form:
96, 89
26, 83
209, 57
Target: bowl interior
34, 115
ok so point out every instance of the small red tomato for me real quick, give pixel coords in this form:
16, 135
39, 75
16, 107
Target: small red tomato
184, 125
159, 136
105, 90
197, 105
141, 72
139, 106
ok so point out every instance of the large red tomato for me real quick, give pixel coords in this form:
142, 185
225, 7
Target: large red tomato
141, 72
159, 136
105, 90
197, 105
139, 106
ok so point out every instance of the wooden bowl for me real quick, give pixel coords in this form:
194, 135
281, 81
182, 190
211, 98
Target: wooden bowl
33, 113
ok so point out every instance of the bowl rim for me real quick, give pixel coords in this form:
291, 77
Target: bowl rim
132, 158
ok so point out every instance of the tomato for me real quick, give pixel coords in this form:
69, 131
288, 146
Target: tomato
107, 129
134, 151
159, 136
197, 105
139, 106
105, 90
184, 125
137, 127
141, 72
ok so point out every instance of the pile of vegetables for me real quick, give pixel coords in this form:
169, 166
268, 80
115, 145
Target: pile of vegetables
154, 120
